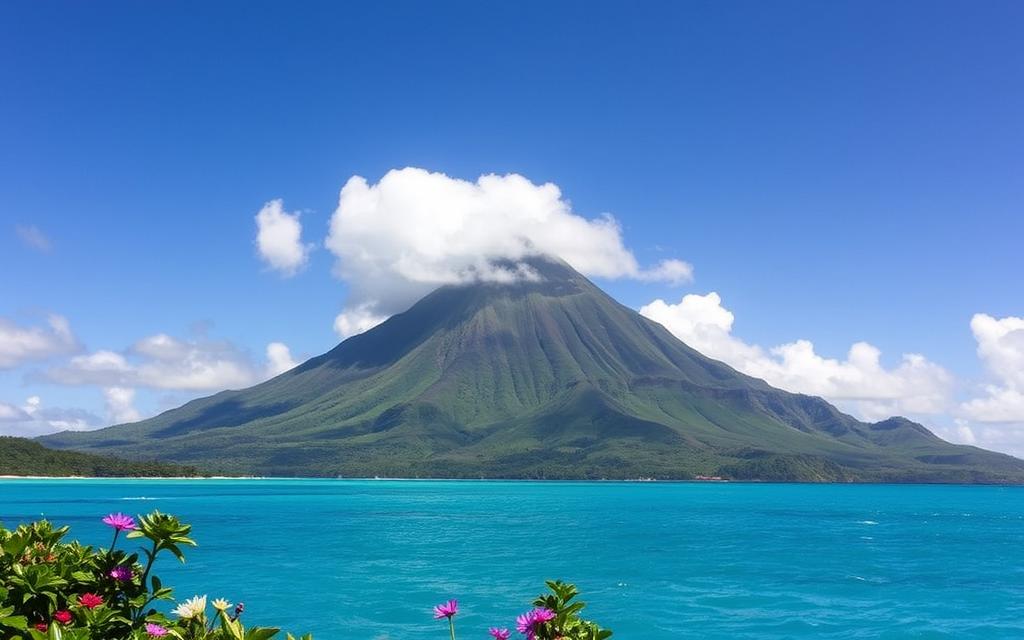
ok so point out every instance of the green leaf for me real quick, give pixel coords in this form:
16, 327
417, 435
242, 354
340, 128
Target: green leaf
15, 622
261, 633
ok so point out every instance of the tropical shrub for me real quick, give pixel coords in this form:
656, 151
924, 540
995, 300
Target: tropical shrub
56, 590
555, 616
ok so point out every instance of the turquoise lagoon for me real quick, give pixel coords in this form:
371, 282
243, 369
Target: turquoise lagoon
366, 560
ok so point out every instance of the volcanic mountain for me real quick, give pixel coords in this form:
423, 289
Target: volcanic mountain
547, 377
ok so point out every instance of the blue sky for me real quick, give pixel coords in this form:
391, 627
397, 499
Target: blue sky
836, 172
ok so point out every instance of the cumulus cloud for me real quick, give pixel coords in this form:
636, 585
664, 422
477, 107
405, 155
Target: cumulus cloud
859, 382
357, 319
964, 433
32, 237
415, 230
120, 405
279, 359
11, 413
19, 344
33, 419
1001, 349
279, 239
165, 362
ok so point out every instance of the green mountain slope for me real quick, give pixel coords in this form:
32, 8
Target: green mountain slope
22, 457
548, 378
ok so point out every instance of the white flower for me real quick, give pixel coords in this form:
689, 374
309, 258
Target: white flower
220, 604
191, 608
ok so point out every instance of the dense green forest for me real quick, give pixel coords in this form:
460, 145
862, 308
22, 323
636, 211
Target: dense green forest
22, 457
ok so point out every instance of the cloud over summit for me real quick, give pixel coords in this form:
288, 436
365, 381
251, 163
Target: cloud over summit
415, 230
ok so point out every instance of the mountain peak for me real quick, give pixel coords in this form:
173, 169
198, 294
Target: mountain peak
537, 374
536, 272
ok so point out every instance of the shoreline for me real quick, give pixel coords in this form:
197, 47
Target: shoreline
516, 480
15, 477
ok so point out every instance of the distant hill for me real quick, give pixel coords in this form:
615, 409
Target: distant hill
543, 378
21, 457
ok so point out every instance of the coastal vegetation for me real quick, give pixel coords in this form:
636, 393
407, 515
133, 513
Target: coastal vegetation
22, 457
52, 589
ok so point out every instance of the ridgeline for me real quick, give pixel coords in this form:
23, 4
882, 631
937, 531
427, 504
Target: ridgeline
546, 377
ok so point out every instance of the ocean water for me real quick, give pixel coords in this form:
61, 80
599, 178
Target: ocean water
367, 559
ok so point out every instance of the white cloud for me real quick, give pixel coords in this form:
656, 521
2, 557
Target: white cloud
120, 405
357, 319
279, 359
1001, 349
859, 382
1001, 346
279, 239
671, 271
19, 345
964, 433
11, 413
415, 230
31, 236
198, 365
33, 419
164, 362
1001, 404
101, 367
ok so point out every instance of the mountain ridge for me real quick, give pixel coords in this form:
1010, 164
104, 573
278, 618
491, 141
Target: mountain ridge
546, 376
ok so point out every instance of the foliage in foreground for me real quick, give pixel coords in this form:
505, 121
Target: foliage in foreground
555, 616
56, 590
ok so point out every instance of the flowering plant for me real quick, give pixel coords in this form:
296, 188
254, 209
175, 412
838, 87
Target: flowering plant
555, 616
558, 616
56, 590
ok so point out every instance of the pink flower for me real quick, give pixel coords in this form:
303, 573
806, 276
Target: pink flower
90, 600
499, 634
529, 621
155, 630
120, 522
446, 610
63, 616
121, 573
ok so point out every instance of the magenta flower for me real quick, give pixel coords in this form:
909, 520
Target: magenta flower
155, 630
121, 573
529, 621
499, 634
446, 610
90, 600
120, 522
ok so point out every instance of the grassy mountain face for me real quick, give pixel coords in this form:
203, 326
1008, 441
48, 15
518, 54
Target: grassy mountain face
22, 457
549, 378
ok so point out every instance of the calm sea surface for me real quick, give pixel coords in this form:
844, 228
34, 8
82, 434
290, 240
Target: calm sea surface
367, 560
